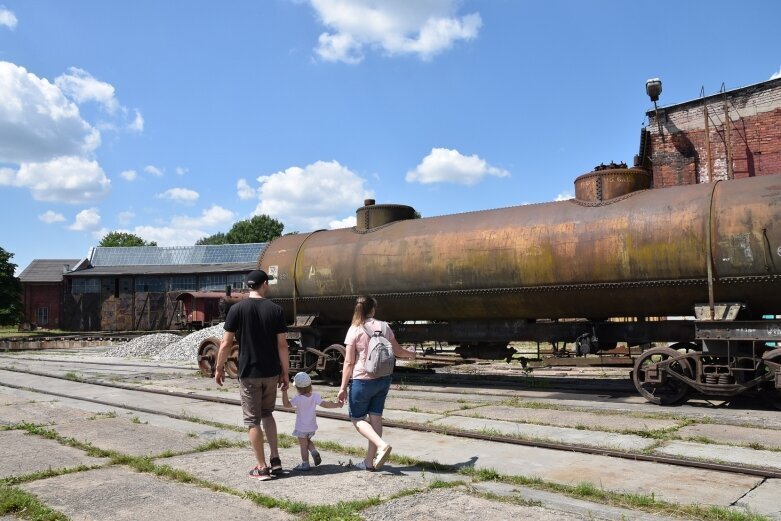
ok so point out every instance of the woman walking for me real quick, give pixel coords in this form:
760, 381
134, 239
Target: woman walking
367, 392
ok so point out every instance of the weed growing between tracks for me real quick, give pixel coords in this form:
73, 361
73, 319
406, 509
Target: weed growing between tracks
591, 492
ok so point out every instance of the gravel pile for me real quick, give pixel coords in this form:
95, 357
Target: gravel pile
166, 346
144, 346
187, 348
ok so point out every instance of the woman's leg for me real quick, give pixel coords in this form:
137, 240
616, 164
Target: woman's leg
376, 424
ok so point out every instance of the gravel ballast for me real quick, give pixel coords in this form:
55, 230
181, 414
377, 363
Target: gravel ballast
166, 346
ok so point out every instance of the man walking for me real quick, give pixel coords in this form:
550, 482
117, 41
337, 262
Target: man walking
259, 327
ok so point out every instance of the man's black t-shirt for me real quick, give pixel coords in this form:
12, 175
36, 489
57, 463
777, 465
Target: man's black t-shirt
256, 323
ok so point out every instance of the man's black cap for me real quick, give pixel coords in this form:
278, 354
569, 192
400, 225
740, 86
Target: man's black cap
256, 278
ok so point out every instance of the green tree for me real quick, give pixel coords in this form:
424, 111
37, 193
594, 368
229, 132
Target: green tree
113, 239
260, 228
217, 238
10, 291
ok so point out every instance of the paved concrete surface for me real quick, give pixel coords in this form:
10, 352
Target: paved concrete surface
26, 454
120, 494
580, 437
614, 422
126, 437
724, 453
456, 505
765, 499
40, 413
735, 435
319, 486
229, 466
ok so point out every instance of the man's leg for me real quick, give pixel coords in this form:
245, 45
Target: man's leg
256, 440
270, 426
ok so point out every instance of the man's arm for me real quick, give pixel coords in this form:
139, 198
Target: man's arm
284, 381
228, 339
285, 399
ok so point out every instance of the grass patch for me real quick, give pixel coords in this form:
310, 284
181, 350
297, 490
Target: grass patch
73, 377
109, 414
25, 505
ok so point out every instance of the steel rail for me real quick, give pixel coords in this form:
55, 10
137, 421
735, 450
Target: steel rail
448, 431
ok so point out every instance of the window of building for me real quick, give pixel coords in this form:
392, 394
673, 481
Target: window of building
183, 283
212, 283
155, 284
85, 285
43, 316
236, 281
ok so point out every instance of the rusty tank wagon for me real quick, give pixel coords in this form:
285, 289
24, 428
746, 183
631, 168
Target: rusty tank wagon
561, 272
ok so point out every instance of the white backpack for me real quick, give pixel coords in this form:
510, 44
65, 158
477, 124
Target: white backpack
380, 360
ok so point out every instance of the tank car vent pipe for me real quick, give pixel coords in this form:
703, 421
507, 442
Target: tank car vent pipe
709, 242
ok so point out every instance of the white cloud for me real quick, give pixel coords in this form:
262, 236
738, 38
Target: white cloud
444, 165
137, 125
180, 170
776, 75
50, 217
244, 190
7, 18
422, 28
564, 196
37, 122
86, 220
347, 222
184, 230
151, 169
311, 197
182, 195
63, 179
125, 217
82, 87
129, 175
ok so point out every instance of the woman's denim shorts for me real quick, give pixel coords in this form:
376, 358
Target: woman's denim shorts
367, 397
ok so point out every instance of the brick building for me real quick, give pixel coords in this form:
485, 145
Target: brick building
729, 135
42, 291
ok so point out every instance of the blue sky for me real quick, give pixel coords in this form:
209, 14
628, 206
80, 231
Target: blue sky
174, 120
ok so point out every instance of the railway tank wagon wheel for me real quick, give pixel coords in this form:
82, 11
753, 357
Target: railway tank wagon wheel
659, 388
773, 393
207, 355
330, 367
232, 363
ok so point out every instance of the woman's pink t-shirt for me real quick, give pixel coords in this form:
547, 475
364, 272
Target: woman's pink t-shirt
356, 336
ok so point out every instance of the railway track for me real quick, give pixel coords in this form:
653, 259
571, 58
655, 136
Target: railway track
410, 426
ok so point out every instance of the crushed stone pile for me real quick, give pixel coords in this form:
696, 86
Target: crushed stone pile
187, 348
143, 346
166, 346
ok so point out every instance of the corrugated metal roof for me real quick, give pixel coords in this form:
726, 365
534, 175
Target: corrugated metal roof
181, 269
176, 255
46, 270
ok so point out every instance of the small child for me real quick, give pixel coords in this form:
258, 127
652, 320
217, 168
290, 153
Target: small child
305, 403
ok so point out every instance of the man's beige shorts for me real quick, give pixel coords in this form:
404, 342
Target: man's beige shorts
258, 397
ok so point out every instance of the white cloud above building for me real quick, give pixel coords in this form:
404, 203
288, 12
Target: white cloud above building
8, 18
86, 220
392, 27
445, 165
181, 195
50, 217
311, 197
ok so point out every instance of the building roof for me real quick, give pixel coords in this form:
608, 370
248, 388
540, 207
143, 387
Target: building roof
180, 269
102, 256
47, 270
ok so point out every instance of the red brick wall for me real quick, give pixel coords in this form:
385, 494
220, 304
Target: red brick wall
680, 155
38, 295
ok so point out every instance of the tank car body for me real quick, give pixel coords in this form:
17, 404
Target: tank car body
617, 250
643, 254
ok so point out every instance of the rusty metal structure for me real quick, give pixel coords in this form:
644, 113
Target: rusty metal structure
556, 272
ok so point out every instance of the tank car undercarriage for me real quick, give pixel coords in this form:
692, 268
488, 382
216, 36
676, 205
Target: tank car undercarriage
726, 359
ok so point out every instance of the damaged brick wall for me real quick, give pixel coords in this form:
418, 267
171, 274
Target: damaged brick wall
679, 155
